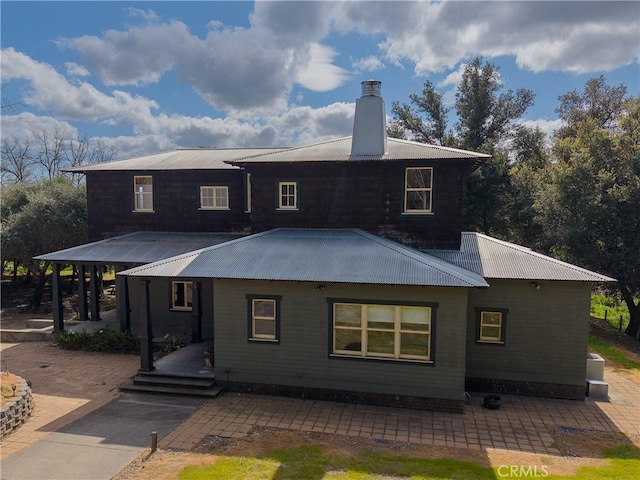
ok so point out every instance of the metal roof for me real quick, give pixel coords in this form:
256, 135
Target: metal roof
315, 255
493, 258
138, 248
182, 159
339, 150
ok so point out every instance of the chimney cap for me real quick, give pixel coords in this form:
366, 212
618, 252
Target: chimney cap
371, 88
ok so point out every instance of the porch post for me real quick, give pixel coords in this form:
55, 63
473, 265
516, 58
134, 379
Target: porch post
95, 294
146, 334
196, 316
83, 307
122, 303
56, 294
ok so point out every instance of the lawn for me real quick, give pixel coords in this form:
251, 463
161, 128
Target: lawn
311, 462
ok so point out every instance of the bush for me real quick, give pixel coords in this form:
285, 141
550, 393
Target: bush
610, 307
102, 340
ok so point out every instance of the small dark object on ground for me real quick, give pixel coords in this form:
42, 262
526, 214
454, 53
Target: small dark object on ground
492, 402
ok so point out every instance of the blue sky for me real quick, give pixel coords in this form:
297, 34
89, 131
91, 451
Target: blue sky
153, 76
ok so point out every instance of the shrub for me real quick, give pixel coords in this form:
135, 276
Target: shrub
102, 340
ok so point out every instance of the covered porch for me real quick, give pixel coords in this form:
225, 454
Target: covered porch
122, 253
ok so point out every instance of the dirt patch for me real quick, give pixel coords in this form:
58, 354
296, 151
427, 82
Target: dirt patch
578, 449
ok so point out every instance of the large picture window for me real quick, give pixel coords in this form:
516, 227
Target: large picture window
214, 198
418, 188
287, 195
143, 193
382, 331
264, 318
491, 325
182, 296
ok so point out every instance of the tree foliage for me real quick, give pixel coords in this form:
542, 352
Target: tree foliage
39, 218
589, 205
486, 119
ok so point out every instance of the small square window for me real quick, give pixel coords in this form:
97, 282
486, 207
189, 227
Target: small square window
287, 195
264, 318
214, 198
143, 194
491, 323
182, 296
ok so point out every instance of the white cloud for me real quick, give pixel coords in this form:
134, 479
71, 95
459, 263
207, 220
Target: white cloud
579, 37
22, 125
73, 69
320, 74
367, 64
547, 126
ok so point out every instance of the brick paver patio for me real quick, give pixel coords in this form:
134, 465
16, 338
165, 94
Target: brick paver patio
522, 423
67, 385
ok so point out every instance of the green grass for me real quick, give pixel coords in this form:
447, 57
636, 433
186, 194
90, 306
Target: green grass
612, 353
310, 462
614, 309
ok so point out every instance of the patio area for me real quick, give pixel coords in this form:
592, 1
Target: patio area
521, 424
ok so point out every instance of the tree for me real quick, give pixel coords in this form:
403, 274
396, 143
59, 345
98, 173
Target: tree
486, 120
483, 114
17, 161
529, 161
431, 129
40, 218
28, 158
50, 154
589, 203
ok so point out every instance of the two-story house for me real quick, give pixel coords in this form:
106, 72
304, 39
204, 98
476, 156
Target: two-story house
335, 270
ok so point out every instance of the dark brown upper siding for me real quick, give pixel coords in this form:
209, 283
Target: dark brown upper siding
360, 194
176, 201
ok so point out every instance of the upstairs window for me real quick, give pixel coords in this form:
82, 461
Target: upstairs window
418, 188
287, 196
214, 198
143, 193
182, 296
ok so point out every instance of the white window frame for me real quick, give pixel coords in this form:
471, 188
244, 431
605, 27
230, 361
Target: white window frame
500, 327
282, 205
141, 197
187, 294
426, 190
214, 189
397, 333
274, 318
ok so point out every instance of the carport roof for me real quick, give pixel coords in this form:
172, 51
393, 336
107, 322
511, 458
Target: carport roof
138, 248
314, 255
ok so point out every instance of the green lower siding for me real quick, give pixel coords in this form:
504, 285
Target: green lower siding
546, 332
301, 358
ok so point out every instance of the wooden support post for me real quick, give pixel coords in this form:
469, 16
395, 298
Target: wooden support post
196, 316
146, 331
83, 306
123, 309
56, 293
94, 287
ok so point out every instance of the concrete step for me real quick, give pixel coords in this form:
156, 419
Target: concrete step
168, 390
173, 381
